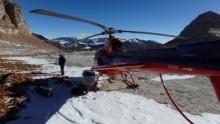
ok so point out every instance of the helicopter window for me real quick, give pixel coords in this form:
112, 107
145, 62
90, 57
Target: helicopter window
116, 45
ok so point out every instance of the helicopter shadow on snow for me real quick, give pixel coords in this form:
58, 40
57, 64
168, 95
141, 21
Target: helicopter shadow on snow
39, 109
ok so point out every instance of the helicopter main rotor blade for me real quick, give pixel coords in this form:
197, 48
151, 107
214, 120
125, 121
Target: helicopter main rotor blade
150, 33
59, 15
107, 30
102, 33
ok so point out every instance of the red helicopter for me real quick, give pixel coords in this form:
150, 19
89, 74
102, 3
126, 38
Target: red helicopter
201, 58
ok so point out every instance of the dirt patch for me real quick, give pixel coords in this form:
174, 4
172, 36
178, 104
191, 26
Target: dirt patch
10, 102
14, 77
15, 66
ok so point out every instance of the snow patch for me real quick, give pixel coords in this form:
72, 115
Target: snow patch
121, 108
50, 68
174, 77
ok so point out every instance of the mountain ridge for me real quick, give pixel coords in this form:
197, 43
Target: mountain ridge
96, 43
205, 27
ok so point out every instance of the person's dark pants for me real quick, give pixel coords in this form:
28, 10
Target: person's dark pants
62, 69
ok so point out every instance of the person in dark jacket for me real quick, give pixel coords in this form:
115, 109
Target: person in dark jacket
62, 61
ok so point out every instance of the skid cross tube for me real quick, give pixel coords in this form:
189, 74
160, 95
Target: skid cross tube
130, 84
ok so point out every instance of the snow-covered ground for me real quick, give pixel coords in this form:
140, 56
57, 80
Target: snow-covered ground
173, 77
97, 108
121, 108
50, 68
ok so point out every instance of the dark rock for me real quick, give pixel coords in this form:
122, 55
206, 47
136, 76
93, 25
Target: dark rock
44, 91
12, 115
17, 90
27, 117
79, 90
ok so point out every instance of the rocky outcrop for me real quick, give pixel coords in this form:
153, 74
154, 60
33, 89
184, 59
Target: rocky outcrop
15, 36
205, 27
11, 18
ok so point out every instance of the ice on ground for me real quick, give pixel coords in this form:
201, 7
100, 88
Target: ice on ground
173, 77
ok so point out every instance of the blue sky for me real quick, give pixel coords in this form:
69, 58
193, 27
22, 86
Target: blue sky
164, 16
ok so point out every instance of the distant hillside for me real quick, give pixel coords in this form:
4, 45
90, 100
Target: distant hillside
48, 41
205, 27
22, 44
39, 36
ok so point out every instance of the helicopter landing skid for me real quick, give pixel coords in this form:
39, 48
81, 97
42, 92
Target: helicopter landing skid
130, 84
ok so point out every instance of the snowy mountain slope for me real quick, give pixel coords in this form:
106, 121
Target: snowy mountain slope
136, 41
65, 41
99, 42
97, 108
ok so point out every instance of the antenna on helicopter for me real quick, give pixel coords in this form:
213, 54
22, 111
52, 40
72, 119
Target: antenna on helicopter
107, 30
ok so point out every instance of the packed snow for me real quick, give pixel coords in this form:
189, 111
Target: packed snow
121, 108
173, 77
50, 68
97, 108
